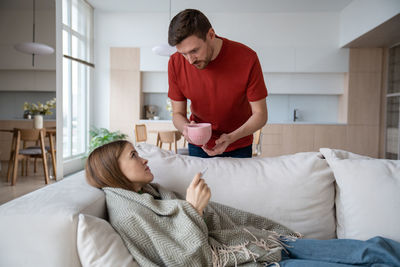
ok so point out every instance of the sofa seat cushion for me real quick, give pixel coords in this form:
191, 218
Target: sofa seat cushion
367, 195
294, 190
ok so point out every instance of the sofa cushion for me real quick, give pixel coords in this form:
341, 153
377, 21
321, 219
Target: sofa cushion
100, 245
39, 229
367, 195
295, 190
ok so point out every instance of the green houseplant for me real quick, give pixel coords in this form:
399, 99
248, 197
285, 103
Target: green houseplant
99, 137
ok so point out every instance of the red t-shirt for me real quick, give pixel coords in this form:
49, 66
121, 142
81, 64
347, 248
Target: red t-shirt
220, 93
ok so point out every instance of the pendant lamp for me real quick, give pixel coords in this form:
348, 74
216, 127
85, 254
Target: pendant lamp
34, 48
164, 49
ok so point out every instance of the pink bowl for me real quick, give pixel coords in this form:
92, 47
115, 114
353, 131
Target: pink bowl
199, 133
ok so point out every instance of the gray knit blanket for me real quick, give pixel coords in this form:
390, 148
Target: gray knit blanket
161, 230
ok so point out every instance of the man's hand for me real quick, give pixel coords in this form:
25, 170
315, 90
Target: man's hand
185, 132
198, 193
220, 145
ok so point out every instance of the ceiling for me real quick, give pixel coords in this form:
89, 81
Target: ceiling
385, 35
221, 6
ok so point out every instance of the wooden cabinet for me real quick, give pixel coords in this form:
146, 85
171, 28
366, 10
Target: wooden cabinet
283, 139
125, 95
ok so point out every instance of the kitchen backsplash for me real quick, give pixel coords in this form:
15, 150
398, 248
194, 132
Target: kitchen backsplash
12, 103
309, 108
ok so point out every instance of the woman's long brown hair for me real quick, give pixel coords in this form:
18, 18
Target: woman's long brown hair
102, 168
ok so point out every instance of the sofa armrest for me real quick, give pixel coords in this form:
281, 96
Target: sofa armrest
40, 228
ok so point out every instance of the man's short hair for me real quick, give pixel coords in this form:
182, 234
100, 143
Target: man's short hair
186, 23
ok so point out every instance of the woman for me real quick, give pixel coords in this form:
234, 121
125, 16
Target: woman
161, 230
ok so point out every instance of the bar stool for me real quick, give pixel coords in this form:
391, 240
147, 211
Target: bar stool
140, 133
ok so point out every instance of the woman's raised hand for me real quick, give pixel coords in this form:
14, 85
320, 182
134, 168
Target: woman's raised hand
198, 193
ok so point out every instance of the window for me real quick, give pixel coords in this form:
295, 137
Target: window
77, 35
393, 105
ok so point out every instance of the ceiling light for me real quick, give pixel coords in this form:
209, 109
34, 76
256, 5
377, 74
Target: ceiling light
165, 49
34, 48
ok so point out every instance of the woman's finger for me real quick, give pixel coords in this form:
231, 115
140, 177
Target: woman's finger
196, 179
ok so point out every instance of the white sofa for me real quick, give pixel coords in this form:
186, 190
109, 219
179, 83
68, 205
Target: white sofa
323, 195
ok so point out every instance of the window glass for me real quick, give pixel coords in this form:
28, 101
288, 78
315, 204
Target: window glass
392, 128
66, 108
394, 70
66, 47
65, 8
77, 43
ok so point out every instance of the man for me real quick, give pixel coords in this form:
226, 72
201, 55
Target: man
224, 82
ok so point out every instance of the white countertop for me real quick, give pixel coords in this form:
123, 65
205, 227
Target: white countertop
25, 119
272, 122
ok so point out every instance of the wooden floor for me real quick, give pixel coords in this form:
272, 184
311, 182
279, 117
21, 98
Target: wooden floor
25, 184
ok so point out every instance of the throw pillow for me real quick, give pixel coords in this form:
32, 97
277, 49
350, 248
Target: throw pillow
367, 195
100, 245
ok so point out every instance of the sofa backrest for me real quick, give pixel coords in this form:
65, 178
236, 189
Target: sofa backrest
40, 228
295, 190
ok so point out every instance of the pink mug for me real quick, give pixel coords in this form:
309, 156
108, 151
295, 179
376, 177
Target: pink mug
199, 133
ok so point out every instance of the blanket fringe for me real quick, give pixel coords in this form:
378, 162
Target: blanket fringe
220, 254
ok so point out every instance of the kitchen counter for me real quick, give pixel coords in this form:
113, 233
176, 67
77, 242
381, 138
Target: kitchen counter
21, 119
272, 122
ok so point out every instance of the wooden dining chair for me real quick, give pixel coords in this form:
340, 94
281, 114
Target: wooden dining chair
257, 143
19, 151
51, 135
168, 137
140, 133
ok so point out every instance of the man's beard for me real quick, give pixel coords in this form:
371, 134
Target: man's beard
201, 64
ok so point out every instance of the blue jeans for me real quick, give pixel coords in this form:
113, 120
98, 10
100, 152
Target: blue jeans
377, 251
244, 152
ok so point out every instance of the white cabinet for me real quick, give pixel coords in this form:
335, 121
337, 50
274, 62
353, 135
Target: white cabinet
25, 80
154, 81
305, 83
152, 62
303, 59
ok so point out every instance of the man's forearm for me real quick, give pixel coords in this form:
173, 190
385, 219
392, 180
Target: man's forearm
255, 122
179, 121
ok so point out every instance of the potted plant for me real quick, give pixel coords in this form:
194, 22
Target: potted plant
39, 110
99, 137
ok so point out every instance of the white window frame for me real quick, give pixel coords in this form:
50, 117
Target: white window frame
73, 162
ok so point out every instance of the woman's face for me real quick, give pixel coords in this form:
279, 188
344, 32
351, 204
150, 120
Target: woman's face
134, 167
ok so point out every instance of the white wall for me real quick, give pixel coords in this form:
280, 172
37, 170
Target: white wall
287, 43
361, 16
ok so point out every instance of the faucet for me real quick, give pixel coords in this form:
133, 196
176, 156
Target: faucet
295, 112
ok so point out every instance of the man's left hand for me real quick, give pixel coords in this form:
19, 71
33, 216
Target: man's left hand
220, 145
